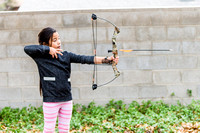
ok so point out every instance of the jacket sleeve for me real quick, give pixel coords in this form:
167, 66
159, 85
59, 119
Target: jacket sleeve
81, 59
36, 50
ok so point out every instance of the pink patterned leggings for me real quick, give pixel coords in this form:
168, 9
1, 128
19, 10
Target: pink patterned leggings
52, 110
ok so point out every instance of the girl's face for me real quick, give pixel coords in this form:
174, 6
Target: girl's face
55, 41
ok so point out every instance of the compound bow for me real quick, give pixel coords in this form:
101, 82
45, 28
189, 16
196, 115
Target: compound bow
114, 51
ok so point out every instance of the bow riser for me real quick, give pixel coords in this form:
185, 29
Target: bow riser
115, 53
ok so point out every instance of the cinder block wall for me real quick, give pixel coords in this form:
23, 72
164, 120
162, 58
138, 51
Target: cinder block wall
144, 75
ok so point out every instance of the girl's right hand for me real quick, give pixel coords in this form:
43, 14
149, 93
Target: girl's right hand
53, 52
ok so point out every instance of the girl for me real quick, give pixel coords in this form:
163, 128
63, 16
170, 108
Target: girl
54, 68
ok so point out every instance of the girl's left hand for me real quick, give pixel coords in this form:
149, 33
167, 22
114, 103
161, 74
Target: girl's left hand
114, 59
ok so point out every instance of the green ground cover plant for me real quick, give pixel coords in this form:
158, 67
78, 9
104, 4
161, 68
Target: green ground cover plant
115, 117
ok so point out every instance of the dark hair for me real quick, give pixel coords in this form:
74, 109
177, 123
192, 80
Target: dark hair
43, 38
45, 35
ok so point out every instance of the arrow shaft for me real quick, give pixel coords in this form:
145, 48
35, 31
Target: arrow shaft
130, 50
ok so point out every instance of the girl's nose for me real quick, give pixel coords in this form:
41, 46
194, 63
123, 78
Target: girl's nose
59, 42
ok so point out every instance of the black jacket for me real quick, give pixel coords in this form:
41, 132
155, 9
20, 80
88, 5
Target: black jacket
55, 73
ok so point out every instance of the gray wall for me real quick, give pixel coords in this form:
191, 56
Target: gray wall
144, 75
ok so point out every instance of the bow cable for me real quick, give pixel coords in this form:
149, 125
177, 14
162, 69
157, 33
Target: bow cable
94, 24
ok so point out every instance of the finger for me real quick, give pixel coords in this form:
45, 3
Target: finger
56, 55
59, 50
111, 58
52, 56
60, 53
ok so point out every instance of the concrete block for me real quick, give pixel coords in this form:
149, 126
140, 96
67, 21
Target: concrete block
198, 91
124, 92
68, 35
30, 37
75, 93
172, 101
3, 79
113, 17
74, 48
102, 49
137, 77
174, 45
198, 65
136, 18
126, 34
182, 62
14, 51
103, 102
157, 33
166, 77
186, 101
181, 33
47, 20
10, 93
79, 49
190, 18
1, 22
3, 49
180, 91
101, 35
191, 47
127, 63
190, 76
3, 103
75, 67
142, 33
34, 103
86, 49
135, 45
77, 20
100, 67
99, 93
198, 32
84, 78
107, 76
22, 79
165, 18
31, 93
117, 92
17, 65
18, 21
98, 102
152, 62
16, 104
13, 35
85, 35
152, 91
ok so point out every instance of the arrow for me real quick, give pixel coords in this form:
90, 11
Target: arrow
130, 50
